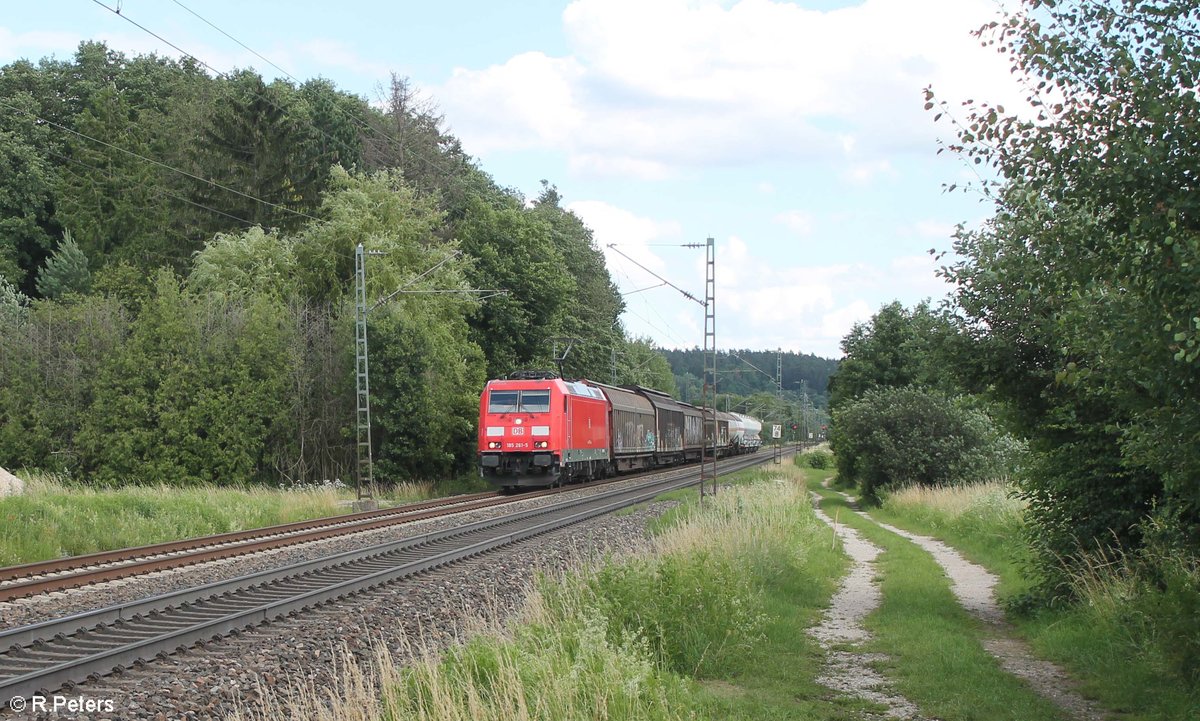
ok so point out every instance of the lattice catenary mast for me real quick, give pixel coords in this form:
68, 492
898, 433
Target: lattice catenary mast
365, 468
364, 480
708, 394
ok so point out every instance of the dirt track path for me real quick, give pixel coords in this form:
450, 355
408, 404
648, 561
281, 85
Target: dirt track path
849, 669
975, 588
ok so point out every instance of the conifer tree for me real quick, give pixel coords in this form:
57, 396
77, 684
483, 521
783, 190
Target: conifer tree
66, 271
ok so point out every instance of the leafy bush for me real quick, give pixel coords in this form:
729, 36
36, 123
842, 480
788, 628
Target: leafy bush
818, 459
1096, 353
897, 437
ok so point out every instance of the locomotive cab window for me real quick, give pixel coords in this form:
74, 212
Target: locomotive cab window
502, 402
535, 401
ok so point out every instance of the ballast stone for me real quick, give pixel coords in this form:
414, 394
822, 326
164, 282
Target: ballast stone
10, 485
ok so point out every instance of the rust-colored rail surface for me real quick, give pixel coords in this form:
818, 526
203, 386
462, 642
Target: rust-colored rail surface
74, 571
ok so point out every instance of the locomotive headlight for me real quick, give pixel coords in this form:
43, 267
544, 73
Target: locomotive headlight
540, 444
493, 444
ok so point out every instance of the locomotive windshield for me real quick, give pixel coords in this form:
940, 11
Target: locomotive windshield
535, 401
502, 402
519, 401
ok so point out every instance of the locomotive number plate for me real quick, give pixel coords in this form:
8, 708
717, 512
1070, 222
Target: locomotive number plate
517, 430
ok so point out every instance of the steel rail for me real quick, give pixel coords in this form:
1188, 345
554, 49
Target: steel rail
168, 622
77, 571
71, 563
177, 554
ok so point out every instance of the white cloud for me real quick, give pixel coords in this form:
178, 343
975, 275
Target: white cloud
915, 276
762, 301
838, 322
765, 303
607, 165
34, 45
529, 101
632, 235
935, 229
798, 221
863, 173
651, 86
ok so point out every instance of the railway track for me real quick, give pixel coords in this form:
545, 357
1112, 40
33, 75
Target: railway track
73, 572
49, 655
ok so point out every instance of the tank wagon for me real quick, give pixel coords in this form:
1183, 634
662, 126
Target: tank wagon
747, 437
536, 429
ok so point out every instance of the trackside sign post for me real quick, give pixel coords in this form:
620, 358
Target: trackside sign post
776, 431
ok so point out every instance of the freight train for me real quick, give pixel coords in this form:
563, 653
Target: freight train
537, 429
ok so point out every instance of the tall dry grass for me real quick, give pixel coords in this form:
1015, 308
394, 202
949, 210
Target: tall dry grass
1149, 599
55, 518
612, 642
991, 504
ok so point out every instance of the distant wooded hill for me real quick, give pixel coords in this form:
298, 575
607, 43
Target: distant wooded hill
737, 374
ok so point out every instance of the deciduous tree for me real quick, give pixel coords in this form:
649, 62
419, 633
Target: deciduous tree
1083, 291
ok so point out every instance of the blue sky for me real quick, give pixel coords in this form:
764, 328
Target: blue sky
791, 132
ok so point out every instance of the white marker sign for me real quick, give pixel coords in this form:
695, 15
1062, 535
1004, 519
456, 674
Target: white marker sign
776, 431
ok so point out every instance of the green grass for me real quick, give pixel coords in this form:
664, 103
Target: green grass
1122, 640
713, 624
776, 678
985, 522
54, 518
710, 625
1115, 663
466, 483
935, 655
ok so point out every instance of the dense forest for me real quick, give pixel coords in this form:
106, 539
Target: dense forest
1068, 360
746, 372
746, 384
177, 265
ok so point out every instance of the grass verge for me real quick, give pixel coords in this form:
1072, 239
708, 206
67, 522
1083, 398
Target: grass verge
1129, 637
53, 518
933, 646
711, 624
985, 522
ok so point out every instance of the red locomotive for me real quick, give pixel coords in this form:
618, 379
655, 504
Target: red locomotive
539, 430
536, 429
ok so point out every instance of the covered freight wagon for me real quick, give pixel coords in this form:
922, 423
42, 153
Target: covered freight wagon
716, 434
633, 429
674, 425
